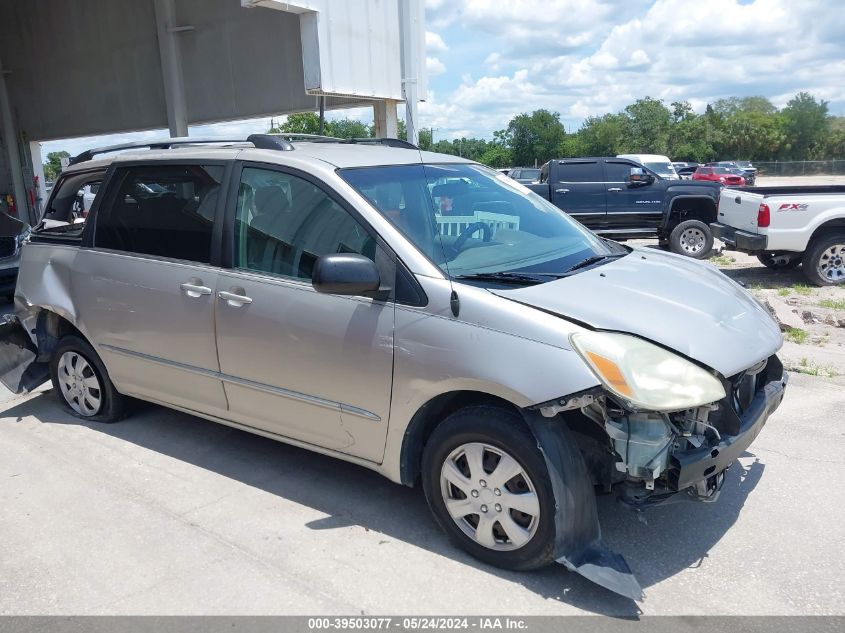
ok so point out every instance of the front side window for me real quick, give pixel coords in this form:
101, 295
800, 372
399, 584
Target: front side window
284, 223
471, 220
162, 210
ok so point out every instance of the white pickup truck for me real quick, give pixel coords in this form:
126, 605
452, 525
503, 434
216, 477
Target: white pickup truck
787, 226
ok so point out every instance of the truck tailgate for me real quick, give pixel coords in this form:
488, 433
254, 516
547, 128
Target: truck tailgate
739, 209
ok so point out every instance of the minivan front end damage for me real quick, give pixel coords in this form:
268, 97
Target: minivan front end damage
594, 442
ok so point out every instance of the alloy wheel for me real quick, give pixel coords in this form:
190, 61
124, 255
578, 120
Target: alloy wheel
831, 264
693, 240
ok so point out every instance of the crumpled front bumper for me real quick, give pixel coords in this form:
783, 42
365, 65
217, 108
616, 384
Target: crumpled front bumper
690, 467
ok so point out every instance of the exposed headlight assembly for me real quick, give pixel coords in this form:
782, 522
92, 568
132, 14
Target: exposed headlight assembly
645, 376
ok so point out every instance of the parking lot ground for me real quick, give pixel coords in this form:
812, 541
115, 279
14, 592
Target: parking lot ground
165, 513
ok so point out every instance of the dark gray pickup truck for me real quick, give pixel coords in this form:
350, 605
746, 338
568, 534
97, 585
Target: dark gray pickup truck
621, 199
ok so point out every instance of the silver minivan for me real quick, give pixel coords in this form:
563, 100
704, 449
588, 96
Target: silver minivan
418, 314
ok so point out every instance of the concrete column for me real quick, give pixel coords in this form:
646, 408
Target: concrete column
384, 116
38, 170
171, 67
411, 27
13, 154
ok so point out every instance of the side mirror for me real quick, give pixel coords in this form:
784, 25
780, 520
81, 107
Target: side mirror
639, 177
345, 274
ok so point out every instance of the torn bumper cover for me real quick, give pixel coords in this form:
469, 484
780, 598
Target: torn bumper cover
20, 368
578, 543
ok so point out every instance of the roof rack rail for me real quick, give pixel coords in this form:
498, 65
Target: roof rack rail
366, 140
259, 141
280, 142
390, 142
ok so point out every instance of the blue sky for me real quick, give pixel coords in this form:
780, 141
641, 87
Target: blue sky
488, 60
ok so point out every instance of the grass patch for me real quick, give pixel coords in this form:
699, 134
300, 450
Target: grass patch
796, 335
802, 289
833, 304
783, 292
722, 260
813, 369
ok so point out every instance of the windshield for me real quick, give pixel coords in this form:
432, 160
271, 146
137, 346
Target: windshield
721, 170
533, 174
471, 220
662, 169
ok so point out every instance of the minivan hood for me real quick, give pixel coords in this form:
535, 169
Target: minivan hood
677, 302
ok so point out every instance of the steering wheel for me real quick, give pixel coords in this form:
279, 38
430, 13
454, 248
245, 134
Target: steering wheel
485, 228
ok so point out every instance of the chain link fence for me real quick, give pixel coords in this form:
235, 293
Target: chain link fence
801, 168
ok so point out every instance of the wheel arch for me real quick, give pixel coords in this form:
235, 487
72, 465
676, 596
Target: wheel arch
429, 416
690, 207
832, 225
50, 328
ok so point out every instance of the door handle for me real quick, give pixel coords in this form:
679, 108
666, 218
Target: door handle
194, 288
615, 189
234, 299
561, 190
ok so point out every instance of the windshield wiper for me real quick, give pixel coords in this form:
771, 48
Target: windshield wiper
509, 277
593, 259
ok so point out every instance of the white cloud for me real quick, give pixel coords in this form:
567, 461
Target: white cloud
434, 43
583, 58
434, 66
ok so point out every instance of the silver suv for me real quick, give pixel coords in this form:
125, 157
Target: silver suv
415, 313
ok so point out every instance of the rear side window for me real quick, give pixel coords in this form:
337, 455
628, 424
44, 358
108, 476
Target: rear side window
67, 203
579, 172
162, 210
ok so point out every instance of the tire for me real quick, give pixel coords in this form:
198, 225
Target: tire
82, 383
769, 261
691, 238
499, 433
824, 260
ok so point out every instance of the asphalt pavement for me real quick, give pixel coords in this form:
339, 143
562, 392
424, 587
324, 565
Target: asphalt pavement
165, 513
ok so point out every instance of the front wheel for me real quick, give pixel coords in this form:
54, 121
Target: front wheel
692, 238
82, 383
488, 487
824, 261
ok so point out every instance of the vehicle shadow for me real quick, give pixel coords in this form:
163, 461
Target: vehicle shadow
675, 538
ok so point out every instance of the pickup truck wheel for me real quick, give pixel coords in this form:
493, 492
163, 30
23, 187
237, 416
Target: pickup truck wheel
779, 261
824, 260
82, 383
487, 485
692, 238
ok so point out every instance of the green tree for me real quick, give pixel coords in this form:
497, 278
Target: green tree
299, 123
805, 124
650, 122
607, 135
533, 137
496, 156
53, 166
348, 128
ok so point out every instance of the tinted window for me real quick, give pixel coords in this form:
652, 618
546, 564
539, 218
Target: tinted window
579, 172
617, 172
284, 223
164, 210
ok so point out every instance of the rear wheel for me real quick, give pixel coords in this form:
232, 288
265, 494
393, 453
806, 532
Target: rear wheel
487, 485
80, 379
692, 238
824, 261
780, 261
